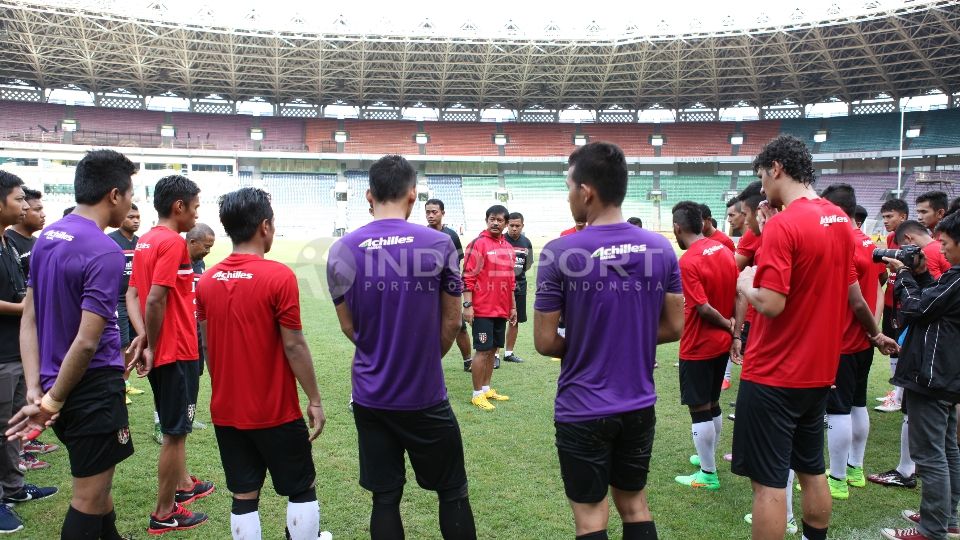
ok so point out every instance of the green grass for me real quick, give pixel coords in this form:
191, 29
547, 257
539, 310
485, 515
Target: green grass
515, 486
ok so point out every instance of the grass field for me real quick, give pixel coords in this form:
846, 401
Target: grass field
515, 486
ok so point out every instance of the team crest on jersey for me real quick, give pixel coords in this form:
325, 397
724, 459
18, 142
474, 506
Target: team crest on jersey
482, 336
191, 411
123, 435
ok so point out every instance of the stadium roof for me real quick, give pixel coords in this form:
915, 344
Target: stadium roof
895, 48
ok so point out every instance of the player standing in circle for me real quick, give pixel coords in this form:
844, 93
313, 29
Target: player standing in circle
618, 289
388, 271
523, 260
435, 213
249, 314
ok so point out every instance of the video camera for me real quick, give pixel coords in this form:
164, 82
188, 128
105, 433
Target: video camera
908, 255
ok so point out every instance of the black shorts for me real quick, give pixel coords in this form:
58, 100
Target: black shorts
744, 333
175, 388
853, 373
127, 333
700, 380
93, 423
489, 333
284, 450
611, 451
431, 437
520, 296
778, 429
890, 326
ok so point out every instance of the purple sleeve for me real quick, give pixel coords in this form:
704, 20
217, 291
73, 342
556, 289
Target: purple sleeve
549, 282
101, 284
450, 280
674, 284
341, 271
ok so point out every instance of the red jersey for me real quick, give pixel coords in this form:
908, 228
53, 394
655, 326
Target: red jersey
748, 247
162, 259
708, 273
719, 236
571, 230
807, 256
488, 273
937, 264
245, 299
892, 278
868, 274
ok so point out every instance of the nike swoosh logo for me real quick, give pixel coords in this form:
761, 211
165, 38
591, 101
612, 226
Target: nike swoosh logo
173, 523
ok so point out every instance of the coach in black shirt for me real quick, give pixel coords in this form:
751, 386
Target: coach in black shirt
523, 260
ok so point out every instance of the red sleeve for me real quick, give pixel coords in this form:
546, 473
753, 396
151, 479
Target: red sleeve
287, 302
472, 266
169, 257
690, 278
775, 266
748, 245
201, 309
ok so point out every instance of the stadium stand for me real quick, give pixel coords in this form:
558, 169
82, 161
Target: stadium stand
380, 137
634, 139
306, 199
460, 139
358, 209
449, 189
756, 134
221, 132
23, 121
318, 135
543, 199
636, 204
539, 139
703, 189
478, 195
802, 128
938, 129
283, 134
706, 139
117, 127
871, 189
868, 132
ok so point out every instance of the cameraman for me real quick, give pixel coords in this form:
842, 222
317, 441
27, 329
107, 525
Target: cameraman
930, 375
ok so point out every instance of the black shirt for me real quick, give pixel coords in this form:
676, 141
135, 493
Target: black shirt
13, 285
456, 241
523, 257
24, 245
128, 247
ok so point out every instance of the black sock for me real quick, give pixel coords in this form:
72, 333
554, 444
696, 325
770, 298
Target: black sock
109, 527
596, 535
640, 530
812, 533
80, 526
385, 522
456, 520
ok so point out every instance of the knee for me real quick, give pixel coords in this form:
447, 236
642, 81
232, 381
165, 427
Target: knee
388, 498
244, 503
451, 495
305, 496
700, 414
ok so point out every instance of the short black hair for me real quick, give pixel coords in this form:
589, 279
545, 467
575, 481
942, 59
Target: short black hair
8, 182
895, 205
602, 166
242, 211
950, 226
842, 195
134, 207
689, 216
391, 177
515, 215
437, 202
635, 221
954, 206
860, 214
199, 231
751, 196
910, 226
705, 212
497, 210
31, 194
936, 199
732, 202
171, 189
99, 173
67, 211
792, 154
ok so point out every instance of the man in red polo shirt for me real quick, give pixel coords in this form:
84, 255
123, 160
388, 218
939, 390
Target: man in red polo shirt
709, 278
712, 232
914, 233
488, 301
893, 212
161, 289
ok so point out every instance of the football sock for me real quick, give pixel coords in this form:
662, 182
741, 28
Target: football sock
893, 365
303, 519
704, 439
507, 353
839, 437
596, 535
385, 522
906, 467
456, 520
108, 527
790, 495
80, 526
484, 389
811, 533
640, 530
717, 424
861, 429
477, 393
245, 519
726, 373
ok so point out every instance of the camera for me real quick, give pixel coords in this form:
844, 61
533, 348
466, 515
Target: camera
908, 255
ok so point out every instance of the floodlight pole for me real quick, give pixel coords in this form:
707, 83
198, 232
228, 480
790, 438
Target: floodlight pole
900, 160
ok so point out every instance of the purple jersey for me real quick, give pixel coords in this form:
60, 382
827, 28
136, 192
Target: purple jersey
609, 282
75, 267
391, 273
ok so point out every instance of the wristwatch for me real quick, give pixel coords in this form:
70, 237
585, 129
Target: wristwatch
467, 304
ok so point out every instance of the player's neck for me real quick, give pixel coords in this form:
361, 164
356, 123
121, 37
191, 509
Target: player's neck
19, 229
171, 224
437, 227
688, 239
96, 214
793, 190
249, 248
390, 210
604, 215
127, 235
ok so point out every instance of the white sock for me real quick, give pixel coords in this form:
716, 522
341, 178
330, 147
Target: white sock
303, 520
839, 437
245, 526
705, 441
906, 467
726, 374
790, 495
893, 365
484, 389
477, 393
156, 417
507, 353
898, 393
717, 426
860, 430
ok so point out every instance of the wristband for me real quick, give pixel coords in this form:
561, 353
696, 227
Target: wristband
738, 338
47, 403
